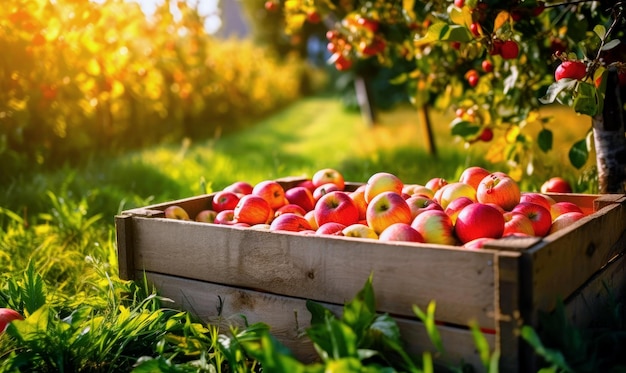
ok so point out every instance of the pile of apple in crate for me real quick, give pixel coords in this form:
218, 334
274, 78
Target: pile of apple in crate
479, 207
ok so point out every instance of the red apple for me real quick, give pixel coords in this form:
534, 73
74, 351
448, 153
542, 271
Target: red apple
500, 189
328, 175
559, 208
330, 228
539, 216
224, 200
359, 230
272, 192
435, 183
473, 176
477, 243
253, 209
8, 315
435, 227
290, 222
452, 191
300, 196
385, 209
358, 196
310, 217
324, 189
239, 187
338, 207
479, 220
400, 232
565, 220
382, 182
206, 216
456, 206
290, 208
176, 212
225, 217
516, 223
420, 203
556, 185
538, 198
307, 184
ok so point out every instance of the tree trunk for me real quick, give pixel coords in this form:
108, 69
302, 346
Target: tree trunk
610, 143
429, 136
364, 98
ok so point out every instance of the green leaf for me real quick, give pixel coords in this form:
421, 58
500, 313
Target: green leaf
586, 101
464, 128
442, 31
319, 313
579, 154
556, 88
610, 45
600, 31
551, 356
360, 312
544, 139
428, 318
481, 344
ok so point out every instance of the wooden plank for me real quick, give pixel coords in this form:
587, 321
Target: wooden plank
289, 318
508, 315
124, 240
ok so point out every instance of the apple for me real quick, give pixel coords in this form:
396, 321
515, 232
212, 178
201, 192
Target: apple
224, 200
565, 220
382, 182
253, 209
416, 189
358, 196
420, 203
310, 217
261, 227
8, 315
272, 192
435, 227
385, 209
324, 189
206, 216
538, 198
328, 175
478, 220
400, 232
176, 212
300, 196
330, 228
559, 208
240, 225
307, 184
516, 223
473, 176
452, 191
499, 188
225, 217
289, 208
539, 216
556, 185
359, 230
290, 222
338, 207
239, 187
435, 183
477, 243
456, 206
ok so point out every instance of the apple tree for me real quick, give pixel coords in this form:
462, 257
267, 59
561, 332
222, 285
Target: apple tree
495, 63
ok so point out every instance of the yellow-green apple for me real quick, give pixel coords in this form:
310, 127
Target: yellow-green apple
300, 196
516, 223
539, 217
455, 206
310, 217
452, 191
358, 196
435, 184
359, 230
338, 207
272, 192
565, 220
224, 200
206, 216
8, 315
473, 176
477, 243
499, 188
253, 209
419, 203
290, 222
328, 175
538, 198
382, 182
559, 208
385, 209
225, 217
420, 190
330, 228
556, 185
435, 227
176, 212
239, 187
478, 220
289, 208
324, 189
400, 232
308, 183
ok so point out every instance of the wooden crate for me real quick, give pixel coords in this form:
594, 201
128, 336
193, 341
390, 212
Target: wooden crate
219, 272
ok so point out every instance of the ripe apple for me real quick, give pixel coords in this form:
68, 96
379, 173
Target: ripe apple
330, 228
176, 212
435, 227
420, 203
416, 189
435, 183
289, 208
539, 216
452, 191
324, 189
556, 185
359, 230
290, 222
272, 192
382, 182
310, 217
328, 175
224, 200
400, 232
473, 176
478, 220
338, 207
8, 315
538, 198
358, 196
300, 196
307, 184
499, 188
206, 216
477, 243
516, 223
456, 206
239, 187
565, 220
225, 217
385, 209
253, 209
559, 208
